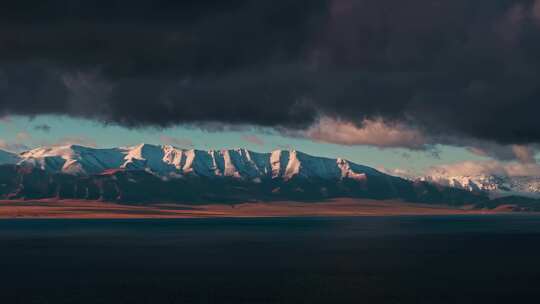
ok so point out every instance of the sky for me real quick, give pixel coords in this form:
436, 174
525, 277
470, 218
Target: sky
19, 133
408, 85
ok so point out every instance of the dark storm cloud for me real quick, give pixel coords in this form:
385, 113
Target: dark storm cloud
158, 62
448, 67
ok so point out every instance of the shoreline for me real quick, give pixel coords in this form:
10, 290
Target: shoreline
77, 209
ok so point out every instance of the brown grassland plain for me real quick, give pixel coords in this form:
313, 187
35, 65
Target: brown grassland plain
80, 209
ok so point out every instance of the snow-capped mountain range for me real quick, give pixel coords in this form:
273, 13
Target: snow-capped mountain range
152, 173
496, 185
169, 161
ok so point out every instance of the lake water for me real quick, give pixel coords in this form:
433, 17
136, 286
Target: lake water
428, 259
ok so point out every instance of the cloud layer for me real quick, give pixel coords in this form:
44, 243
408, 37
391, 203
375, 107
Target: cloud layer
469, 168
372, 132
442, 68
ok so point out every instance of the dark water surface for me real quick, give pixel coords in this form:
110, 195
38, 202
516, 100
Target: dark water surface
430, 259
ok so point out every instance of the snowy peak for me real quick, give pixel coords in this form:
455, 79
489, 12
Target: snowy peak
8, 157
169, 161
496, 185
289, 164
152, 173
146, 156
72, 159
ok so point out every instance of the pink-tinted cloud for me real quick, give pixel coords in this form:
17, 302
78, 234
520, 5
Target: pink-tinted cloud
524, 154
23, 136
12, 147
372, 132
381, 134
71, 140
174, 141
521, 153
6, 120
472, 168
398, 172
253, 139
21, 142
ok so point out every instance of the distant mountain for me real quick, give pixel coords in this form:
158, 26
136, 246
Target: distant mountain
151, 173
495, 185
168, 161
8, 157
511, 203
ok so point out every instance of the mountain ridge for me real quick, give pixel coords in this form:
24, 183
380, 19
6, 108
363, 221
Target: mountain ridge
494, 184
163, 173
167, 160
